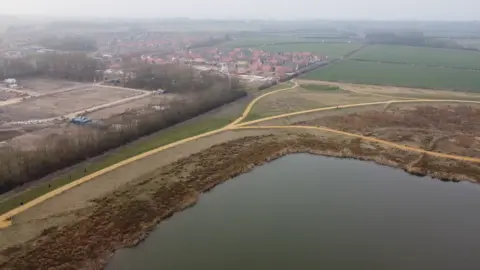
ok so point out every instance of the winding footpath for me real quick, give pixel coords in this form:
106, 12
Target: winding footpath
5, 219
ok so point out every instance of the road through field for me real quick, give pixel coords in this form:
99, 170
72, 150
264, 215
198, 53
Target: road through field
5, 219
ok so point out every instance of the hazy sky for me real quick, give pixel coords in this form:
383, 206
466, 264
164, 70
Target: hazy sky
237, 9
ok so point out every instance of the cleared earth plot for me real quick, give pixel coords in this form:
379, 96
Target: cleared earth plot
45, 85
63, 103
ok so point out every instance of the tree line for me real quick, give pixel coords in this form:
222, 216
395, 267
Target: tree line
413, 39
18, 167
178, 79
69, 43
68, 66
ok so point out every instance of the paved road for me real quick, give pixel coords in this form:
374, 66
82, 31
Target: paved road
5, 218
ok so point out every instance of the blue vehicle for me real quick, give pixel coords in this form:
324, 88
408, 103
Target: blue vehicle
81, 120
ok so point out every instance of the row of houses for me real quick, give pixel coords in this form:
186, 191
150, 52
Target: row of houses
241, 60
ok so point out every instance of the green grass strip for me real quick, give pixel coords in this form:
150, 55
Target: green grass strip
171, 135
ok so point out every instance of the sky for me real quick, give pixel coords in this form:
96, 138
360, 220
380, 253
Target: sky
250, 9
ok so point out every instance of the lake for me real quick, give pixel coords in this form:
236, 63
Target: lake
311, 212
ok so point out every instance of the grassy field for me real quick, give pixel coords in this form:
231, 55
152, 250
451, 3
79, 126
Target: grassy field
469, 43
320, 87
171, 135
261, 41
398, 75
421, 56
333, 50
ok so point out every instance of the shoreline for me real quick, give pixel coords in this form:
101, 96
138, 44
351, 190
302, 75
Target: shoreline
125, 217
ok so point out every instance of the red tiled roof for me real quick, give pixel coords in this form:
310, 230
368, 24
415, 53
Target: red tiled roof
266, 67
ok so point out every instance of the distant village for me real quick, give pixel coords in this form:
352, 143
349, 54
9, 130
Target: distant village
240, 61
243, 62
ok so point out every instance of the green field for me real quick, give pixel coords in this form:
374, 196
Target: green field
333, 50
469, 43
261, 41
398, 75
420, 56
320, 88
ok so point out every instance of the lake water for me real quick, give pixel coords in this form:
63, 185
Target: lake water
310, 212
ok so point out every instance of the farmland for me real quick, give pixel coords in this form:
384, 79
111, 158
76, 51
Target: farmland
421, 56
399, 75
333, 50
469, 43
262, 40
295, 44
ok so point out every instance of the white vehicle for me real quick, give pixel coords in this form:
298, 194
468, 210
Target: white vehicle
10, 81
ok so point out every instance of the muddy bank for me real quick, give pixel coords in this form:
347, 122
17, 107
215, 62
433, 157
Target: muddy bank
126, 216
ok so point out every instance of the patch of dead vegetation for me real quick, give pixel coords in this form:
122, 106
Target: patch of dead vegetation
451, 129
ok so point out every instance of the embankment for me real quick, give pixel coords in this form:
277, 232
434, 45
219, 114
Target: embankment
126, 216
19, 167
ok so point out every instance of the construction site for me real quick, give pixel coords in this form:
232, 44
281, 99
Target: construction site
38, 107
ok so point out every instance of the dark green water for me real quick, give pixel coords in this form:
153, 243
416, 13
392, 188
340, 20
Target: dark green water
310, 212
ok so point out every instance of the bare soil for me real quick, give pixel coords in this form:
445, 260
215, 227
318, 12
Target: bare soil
45, 85
134, 105
62, 103
126, 216
6, 95
7, 134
